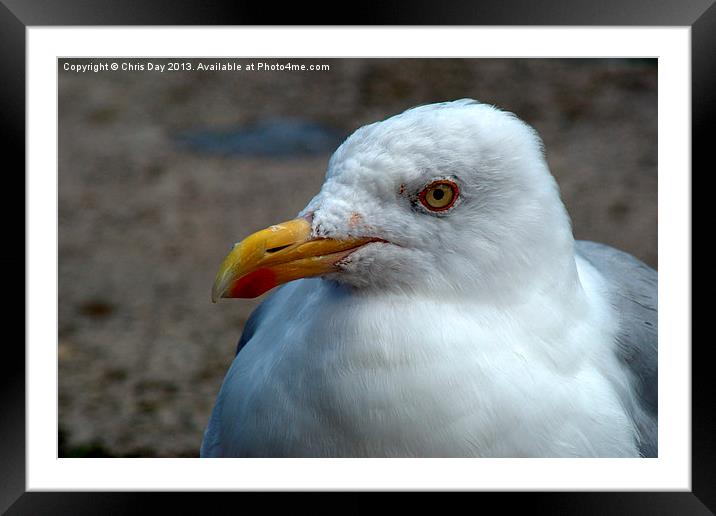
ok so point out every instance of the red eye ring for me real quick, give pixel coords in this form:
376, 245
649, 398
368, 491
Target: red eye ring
432, 202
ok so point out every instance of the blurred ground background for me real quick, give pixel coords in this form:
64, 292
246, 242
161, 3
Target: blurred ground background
159, 173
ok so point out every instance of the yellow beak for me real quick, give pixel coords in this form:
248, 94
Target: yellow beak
277, 255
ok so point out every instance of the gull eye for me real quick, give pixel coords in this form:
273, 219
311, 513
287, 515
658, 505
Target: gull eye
439, 195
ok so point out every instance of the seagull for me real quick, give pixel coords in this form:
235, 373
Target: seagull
433, 302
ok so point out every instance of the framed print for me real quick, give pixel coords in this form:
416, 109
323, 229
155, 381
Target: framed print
154, 139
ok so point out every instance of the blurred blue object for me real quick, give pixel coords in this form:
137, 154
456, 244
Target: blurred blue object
280, 138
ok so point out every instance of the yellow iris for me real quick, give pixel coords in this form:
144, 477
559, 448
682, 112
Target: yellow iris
439, 195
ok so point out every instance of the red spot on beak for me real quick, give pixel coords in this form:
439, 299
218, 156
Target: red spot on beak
254, 284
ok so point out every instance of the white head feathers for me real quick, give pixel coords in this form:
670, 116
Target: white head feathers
507, 224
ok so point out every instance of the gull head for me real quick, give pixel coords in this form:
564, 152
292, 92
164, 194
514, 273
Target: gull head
441, 199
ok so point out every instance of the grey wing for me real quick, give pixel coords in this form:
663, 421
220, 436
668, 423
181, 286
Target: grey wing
211, 444
252, 323
634, 288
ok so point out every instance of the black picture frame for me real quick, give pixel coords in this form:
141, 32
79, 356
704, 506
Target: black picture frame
17, 15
